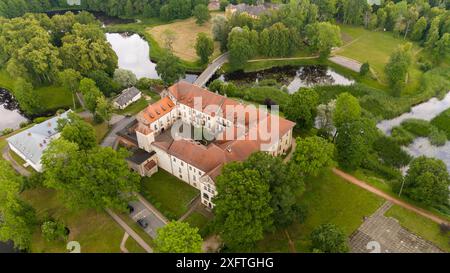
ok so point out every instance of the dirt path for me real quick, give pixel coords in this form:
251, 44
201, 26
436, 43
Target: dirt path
292, 248
123, 248
386, 196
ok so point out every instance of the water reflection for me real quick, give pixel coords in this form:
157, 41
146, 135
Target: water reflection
10, 116
422, 146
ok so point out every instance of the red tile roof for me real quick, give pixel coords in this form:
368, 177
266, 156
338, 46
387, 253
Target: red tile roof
157, 110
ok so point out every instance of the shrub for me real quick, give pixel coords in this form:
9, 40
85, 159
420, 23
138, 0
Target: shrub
373, 164
40, 119
148, 84
390, 152
328, 238
24, 124
365, 68
7, 131
445, 228
402, 136
442, 122
417, 127
223, 4
437, 137
54, 230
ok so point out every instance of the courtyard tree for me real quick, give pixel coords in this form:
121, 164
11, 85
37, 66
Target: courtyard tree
76, 130
353, 142
302, 107
178, 237
201, 14
169, 68
70, 79
27, 97
98, 178
329, 238
242, 216
90, 93
322, 37
204, 47
18, 219
285, 183
397, 68
428, 181
125, 78
347, 109
313, 154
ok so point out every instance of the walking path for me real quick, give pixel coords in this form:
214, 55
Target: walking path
392, 199
346, 62
123, 248
19, 168
110, 139
130, 231
193, 206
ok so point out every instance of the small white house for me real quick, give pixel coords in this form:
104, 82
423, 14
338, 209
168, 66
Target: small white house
31, 143
127, 97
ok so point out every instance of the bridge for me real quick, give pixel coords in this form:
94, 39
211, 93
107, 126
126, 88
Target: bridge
211, 69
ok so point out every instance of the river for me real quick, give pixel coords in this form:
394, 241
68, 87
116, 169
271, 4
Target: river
422, 146
10, 116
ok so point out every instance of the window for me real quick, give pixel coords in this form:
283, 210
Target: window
181, 177
179, 170
205, 196
190, 168
182, 164
174, 160
195, 178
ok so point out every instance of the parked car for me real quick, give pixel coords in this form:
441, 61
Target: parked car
142, 223
130, 208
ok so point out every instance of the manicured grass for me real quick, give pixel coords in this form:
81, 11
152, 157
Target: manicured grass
442, 122
101, 129
134, 108
199, 221
421, 226
375, 47
168, 193
133, 246
51, 97
94, 230
19, 160
185, 37
329, 199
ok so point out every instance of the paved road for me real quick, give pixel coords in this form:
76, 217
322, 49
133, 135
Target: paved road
394, 200
130, 231
110, 139
211, 69
346, 62
145, 214
19, 168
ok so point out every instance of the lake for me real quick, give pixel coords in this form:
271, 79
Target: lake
422, 146
10, 116
291, 77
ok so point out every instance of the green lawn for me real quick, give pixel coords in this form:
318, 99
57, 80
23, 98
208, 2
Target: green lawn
375, 47
134, 108
329, 199
421, 226
51, 97
168, 193
96, 231
199, 221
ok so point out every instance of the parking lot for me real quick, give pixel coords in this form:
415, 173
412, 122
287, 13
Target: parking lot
146, 218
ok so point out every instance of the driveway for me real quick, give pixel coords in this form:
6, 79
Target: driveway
110, 139
147, 215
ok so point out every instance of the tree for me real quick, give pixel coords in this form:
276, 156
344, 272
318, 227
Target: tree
328, 238
169, 68
427, 181
242, 45
324, 119
322, 37
204, 47
353, 142
397, 68
70, 79
242, 216
220, 30
90, 93
347, 109
365, 68
178, 237
312, 154
98, 178
103, 112
27, 97
302, 107
129, 10
17, 217
442, 49
201, 14
125, 78
285, 183
76, 130
419, 28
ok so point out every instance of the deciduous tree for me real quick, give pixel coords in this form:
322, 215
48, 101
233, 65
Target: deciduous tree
312, 154
178, 237
204, 47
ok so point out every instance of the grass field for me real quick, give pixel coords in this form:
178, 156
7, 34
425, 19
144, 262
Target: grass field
417, 224
169, 194
51, 97
134, 108
94, 230
185, 36
329, 199
199, 221
375, 47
